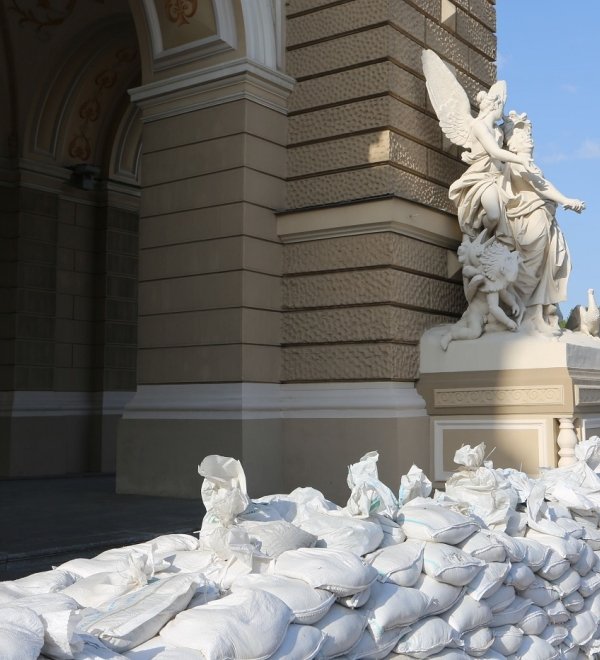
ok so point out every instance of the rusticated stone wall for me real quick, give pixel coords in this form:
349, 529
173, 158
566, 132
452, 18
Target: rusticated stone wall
356, 306
360, 124
361, 128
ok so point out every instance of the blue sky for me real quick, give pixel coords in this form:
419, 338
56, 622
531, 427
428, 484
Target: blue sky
549, 55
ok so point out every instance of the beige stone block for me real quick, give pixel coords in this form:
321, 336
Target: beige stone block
371, 286
317, 451
36, 302
78, 238
209, 364
363, 115
121, 242
34, 352
481, 68
121, 310
35, 327
357, 48
261, 326
204, 224
78, 284
38, 202
71, 330
66, 211
87, 216
233, 289
298, 6
121, 263
264, 190
366, 250
118, 357
447, 45
118, 286
7, 351
339, 19
485, 11
265, 123
444, 168
36, 276
65, 258
356, 150
353, 324
70, 379
475, 34
7, 326
366, 80
37, 227
205, 124
30, 377
351, 362
63, 355
364, 184
122, 219
120, 333
193, 193
31, 250
211, 156
64, 305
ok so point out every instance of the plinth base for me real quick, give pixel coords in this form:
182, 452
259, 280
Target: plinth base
530, 398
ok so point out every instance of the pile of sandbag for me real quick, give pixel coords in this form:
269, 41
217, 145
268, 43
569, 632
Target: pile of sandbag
497, 566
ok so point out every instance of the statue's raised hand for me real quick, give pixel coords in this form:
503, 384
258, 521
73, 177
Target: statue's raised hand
574, 205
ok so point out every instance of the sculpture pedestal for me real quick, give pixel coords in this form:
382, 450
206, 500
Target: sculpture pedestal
530, 398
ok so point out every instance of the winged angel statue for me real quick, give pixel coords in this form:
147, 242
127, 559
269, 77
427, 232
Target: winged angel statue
515, 259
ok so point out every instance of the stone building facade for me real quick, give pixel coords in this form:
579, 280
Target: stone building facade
225, 226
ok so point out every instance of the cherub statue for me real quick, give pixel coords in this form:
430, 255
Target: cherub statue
489, 271
503, 192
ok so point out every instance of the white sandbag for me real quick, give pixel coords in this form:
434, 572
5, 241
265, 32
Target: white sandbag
413, 484
535, 621
157, 649
135, 560
100, 588
44, 603
490, 654
224, 492
468, 614
355, 600
442, 596
42, 583
295, 506
187, 561
274, 537
450, 654
554, 567
512, 614
554, 635
401, 563
338, 571
138, 616
574, 653
477, 642
485, 545
541, 592
574, 602
515, 549
427, 636
342, 629
61, 639
21, 634
586, 560
93, 649
161, 546
568, 548
520, 576
392, 531
591, 534
535, 553
582, 628
375, 649
501, 599
448, 564
507, 639
391, 606
535, 648
488, 580
592, 604
308, 605
567, 583
300, 643
557, 612
368, 494
424, 520
250, 623
338, 531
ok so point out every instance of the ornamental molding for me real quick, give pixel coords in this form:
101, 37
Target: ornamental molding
499, 396
587, 395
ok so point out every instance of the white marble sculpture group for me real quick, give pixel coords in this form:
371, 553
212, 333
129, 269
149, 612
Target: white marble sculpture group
515, 260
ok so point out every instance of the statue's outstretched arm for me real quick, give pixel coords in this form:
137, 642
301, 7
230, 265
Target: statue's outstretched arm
548, 191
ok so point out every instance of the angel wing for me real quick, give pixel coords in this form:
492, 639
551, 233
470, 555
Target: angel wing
449, 99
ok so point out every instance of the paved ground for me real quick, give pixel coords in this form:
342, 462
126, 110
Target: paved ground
44, 522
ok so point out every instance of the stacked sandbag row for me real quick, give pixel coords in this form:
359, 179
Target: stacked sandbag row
495, 567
